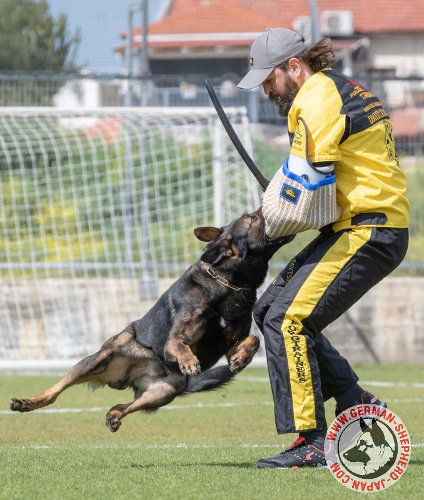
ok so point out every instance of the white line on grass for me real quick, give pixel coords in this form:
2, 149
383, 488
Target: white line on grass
169, 407
157, 446
187, 407
375, 383
59, 410
403, 400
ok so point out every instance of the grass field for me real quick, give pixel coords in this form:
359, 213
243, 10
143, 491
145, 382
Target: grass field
204, 446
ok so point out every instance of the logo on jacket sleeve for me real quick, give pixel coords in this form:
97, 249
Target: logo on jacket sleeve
290, 193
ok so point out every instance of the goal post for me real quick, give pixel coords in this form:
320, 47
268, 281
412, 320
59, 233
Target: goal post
97, 211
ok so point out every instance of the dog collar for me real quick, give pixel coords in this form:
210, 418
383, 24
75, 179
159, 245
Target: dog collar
220, 279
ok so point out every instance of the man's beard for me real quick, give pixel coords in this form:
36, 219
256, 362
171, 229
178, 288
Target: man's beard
284, 101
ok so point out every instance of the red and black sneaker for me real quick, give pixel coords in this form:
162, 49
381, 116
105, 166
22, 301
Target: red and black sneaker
367, 398
298, 454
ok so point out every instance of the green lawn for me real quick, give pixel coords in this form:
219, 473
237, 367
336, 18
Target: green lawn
204, 446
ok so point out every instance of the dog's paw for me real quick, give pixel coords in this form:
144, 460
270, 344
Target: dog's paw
243, 353
237, 365
22, 405
113, 422
189, 366
234, 366
240, 360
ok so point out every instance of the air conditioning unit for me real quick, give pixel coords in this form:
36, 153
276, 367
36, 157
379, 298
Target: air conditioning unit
337, 22
303, 26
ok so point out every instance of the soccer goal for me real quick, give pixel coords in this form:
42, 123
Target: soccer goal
97, 211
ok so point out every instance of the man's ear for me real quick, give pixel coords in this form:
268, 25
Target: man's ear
207, 233
294, 67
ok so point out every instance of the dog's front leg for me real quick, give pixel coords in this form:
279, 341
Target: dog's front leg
177, 350
186, 330
241, 353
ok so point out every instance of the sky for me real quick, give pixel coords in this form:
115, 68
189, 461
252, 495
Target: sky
100, 22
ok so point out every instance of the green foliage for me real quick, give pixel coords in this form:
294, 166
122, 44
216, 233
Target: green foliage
30, 39
73, 199
70, 198
268, 158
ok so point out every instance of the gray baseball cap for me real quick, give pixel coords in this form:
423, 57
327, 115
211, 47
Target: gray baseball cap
273, 47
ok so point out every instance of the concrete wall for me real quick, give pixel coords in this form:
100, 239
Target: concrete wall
59, 319
390, 317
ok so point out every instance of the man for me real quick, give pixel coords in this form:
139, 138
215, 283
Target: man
350, 132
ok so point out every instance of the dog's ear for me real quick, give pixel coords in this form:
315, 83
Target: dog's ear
207, 233
214, 253
364, 425
377, 434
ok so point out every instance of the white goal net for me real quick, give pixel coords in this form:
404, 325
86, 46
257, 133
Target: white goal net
97, 211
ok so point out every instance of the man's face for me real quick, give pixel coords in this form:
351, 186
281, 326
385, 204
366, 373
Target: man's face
281, 89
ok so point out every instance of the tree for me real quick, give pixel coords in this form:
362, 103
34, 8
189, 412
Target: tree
31, 39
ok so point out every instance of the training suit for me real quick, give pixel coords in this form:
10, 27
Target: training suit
347, 126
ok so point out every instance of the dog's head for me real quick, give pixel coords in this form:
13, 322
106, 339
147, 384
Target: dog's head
369, 447
242, 240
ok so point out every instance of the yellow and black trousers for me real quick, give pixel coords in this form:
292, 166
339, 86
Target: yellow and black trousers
317, 286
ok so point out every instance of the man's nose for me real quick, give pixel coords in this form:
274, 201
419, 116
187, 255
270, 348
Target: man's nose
266, 88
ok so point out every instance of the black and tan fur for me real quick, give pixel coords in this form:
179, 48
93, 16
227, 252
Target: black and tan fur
204, 315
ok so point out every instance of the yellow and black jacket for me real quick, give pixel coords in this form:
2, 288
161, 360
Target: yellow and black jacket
349, 127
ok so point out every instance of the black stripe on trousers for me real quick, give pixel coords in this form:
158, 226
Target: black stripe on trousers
332, 273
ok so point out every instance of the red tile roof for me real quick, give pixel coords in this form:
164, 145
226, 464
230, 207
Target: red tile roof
407, 122
205, 23
189, 16
211, 16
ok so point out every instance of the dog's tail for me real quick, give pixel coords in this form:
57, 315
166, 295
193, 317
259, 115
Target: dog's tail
209, 380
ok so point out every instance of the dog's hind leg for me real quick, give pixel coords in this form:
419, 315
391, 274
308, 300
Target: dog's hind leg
84, 371
157, 394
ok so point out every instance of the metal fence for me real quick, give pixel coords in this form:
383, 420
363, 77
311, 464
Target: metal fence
403, 98
92, 91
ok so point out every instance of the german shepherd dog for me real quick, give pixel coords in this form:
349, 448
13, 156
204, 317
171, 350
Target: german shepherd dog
204, 315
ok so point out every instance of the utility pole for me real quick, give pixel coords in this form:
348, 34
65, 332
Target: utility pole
313, 12
144, 67
144, 50
129, 53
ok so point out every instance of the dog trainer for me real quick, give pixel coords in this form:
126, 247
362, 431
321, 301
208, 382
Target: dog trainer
334, 124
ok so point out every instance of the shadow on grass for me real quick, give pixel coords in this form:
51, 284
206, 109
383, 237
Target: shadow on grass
239, 465
416, 462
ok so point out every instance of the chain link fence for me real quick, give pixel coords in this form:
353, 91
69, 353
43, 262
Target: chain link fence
402, 97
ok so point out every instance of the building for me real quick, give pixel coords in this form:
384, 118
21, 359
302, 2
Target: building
380, 41
213, 37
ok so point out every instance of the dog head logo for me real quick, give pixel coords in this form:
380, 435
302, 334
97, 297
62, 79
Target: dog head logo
371, 450
368, 448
